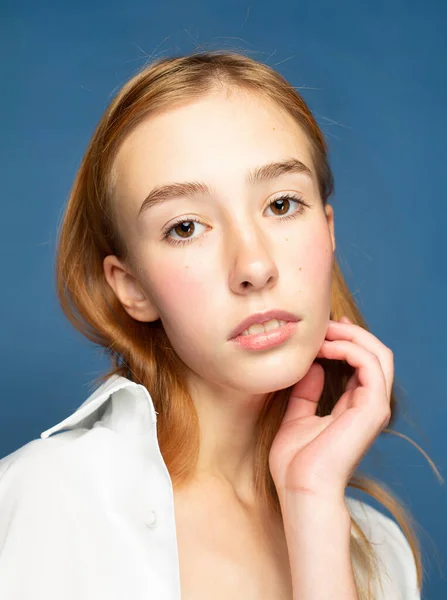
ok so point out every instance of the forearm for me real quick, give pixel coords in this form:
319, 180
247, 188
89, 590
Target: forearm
318, 540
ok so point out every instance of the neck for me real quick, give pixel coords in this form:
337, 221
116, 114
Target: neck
228, 425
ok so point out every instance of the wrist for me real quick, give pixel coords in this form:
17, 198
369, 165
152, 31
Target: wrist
297, 503
316, 517
318, 537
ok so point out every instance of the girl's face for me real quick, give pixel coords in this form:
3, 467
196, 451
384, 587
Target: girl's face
233, 254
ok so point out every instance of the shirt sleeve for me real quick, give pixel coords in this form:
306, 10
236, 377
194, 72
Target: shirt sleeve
73, 523
396, 560
39, 517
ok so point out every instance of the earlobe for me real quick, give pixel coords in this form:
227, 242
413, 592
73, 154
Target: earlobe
128, 290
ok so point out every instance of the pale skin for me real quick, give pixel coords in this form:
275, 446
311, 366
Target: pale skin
229, 546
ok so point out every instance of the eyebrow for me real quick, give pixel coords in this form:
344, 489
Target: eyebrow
266, 172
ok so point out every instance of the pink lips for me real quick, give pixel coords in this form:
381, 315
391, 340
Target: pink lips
281, 315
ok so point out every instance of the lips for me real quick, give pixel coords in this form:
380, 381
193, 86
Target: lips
268, 315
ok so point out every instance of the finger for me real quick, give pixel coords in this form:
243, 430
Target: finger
349, 436
359, 335
369, 369
305, 394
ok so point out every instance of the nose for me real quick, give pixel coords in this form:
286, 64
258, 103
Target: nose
253, 265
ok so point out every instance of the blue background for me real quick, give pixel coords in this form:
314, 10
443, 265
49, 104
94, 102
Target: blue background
375, 78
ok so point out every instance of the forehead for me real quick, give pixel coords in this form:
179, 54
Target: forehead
215, 139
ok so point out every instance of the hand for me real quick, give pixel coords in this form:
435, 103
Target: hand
313, 455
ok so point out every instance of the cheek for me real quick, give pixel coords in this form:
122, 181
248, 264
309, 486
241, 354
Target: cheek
314, 256
186, 299
312, 272
318, 259
181, 290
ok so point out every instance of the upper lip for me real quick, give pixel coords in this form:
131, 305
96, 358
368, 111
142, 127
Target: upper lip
262, 317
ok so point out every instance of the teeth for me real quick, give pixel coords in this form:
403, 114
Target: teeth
262, 327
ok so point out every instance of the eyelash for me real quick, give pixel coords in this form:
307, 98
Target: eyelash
302, 206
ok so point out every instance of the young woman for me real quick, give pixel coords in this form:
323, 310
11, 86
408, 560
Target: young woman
198, 249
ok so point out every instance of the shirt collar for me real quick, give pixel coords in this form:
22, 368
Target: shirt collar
110, 386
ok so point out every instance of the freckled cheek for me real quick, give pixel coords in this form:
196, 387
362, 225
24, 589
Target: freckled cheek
181, 289
318, 260
313, 260
186, 298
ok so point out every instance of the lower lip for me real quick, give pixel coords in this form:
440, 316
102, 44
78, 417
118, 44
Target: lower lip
267, 339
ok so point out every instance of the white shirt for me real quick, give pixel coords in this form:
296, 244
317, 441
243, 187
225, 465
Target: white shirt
88, 514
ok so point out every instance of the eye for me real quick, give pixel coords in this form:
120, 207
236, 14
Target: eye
285, 200
181, 227
185, 227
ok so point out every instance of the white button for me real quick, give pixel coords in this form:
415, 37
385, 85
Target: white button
152, 518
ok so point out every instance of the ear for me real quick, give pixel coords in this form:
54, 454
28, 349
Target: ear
330, 219
128, 291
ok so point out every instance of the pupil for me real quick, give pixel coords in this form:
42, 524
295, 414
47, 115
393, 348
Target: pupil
185, 226
280, 202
